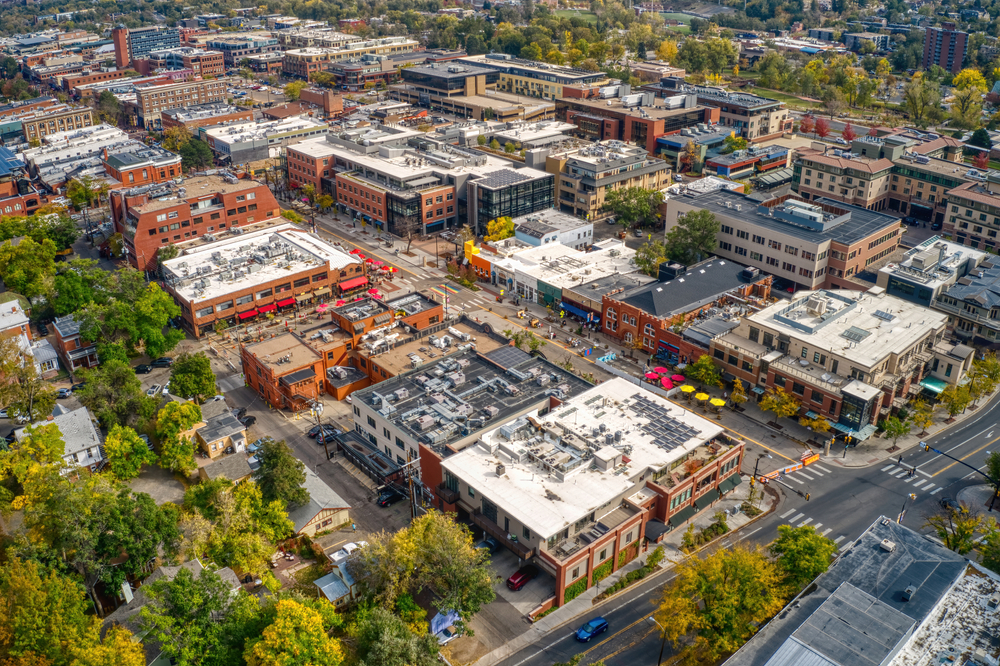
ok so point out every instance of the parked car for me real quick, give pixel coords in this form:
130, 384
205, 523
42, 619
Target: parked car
153, 390
841, 141
590, 629
949, 504
521, 577
43, 330
216, 398
248, 421
325, 429
143, 369
388, 497
3, 413
76, 387
64, 393
164, 362
240, 412
254, 447
347, 551
911, 221
166, 388
488, 543
936, 226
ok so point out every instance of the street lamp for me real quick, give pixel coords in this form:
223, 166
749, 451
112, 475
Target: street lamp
911, 497
651, 621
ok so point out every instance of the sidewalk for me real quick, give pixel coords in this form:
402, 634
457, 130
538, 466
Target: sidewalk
585, 603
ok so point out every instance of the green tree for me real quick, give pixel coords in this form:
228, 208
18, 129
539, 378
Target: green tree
955, 399
992, 468
114, 394
297, 637
32, 396
734, 143
177, 449
650, 255
499, 229
182, 613
705, 372
956, 528
191, 376
126, 453
140, 322
44, 614
981, 138
894, 428
721, 599
28, 267
692, 239
384, 639
196, 155
802, 554
481, 140
989, 546
81, 192
204, 497
922, 415
494, 144
280, 475
784, 405
633, 206
71, 292
294, 89
920, 99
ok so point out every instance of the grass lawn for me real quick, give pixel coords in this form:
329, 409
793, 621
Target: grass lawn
993, 164
791, 100
589, 17
682, 29
683, 18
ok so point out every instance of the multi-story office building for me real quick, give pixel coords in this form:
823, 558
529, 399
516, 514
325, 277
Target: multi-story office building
814, 245
755, 118
369, 71
243, 142
204, 115
153, 99
585, 175
301, 63
138, 43
929, 270
945, 47
203, 207
973, 212
855, 40
201, 61
235, 49
295, 38
919, 185
56, 119
534, 79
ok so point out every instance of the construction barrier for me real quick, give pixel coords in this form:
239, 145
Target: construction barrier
809, 458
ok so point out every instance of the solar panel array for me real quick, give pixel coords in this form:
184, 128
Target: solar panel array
666, 431
508, 357
855, 334
885, 316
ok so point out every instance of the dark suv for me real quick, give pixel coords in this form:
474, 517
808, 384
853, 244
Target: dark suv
388, 497
164, 362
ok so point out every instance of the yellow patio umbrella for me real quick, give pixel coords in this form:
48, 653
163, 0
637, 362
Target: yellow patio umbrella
687, 388
701, 396
718, 402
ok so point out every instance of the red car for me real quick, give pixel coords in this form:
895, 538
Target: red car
521, 577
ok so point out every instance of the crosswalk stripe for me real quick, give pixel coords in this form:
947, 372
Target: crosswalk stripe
921, 482
796, 517
838, 539
827, 531
822, 468
817, 526
887, 468
939, 489
846, 547
786, 514
801, 473
908, 480
900, 475
805, 522
925, 473
794, 479
813, 470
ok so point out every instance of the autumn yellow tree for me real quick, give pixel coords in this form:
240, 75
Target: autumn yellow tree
969, 78
667, 51
298, 636
117, 649
784, 405
498, 229
720, 600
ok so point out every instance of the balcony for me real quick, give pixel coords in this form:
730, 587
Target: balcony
591, 532
447, 495
494, 530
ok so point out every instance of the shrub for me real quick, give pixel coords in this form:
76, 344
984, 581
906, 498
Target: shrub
603, 571
576, 589
655, 558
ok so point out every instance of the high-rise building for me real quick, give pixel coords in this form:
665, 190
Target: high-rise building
139, 43
945, 47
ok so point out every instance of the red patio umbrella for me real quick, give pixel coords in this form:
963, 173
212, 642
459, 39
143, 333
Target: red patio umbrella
667, 384
661, 370
678, 378
373, 291
339, 303
652, 375
355, 251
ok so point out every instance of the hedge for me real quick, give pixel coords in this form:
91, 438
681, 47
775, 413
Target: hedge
603, 571
576, 589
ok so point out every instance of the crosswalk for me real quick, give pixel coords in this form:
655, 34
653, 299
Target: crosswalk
917, 482
812, 472
801, 520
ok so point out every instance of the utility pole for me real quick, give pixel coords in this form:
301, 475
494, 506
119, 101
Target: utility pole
317, 411
409, 478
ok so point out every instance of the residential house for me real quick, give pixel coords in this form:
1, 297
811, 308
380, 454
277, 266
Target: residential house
325, 510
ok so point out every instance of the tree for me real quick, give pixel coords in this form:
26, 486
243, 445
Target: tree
650, 255
739, 394
181, 614
435, 552
955, 399
31, 396
203, 497
705, 372
967, 108
192, 376
970, 78
821, 128
981, 161
667, 51
28, 267
499, 229
494, 145
633, 206
126, 453
117, 649
293, 89
922, 415
734, 143
139, 322
818, 424
802, 554
481, 140
81, 192
297, 637
784, 405
920, 97
894, 428
806, 125
981, 138
195, 155
721, 600
175, 138
848, 133
989, 545
176, 449
993, 468
693, 238
108, 108
385, 639
280, 475
114, 394
956, 528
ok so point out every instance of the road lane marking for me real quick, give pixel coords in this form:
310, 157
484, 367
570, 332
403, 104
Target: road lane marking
549, 646
801, 473
970, 453
797, 517
955, 447
827, 531
940, 488
805, 522
924, 473
821, 468
786, 514
888, 467
792, 478
839, 539
908, 479
817, 526
747, 536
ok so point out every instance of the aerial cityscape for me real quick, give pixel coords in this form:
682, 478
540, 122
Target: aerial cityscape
500, 333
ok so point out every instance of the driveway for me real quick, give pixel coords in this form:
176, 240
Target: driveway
159, 484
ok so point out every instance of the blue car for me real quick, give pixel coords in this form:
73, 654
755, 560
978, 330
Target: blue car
596, 626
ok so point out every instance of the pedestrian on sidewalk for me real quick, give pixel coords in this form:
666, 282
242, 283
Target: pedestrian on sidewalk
354, 527
900, 461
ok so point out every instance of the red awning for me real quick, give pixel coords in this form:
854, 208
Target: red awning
248, 314
353, 283
266, 308
287, 301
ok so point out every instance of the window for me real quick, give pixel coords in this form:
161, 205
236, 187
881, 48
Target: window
472, 491
603, 556
526, 532
204, 312
371, 421
399, 442
243, 300
228, 305
231, 212
263, 294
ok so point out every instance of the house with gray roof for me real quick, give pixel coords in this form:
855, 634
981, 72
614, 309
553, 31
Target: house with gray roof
220, 430
84, 444
234, 467
973, 304
324, 510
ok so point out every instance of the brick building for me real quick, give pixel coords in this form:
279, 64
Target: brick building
945, 47
151, 100
53, 120
70, 83
284, 371
151, 217
202, 62
204, 115
141, 165
74, 351
18, 108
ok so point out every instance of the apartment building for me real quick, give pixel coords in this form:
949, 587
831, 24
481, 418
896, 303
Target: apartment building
928, 270
945, 47
137, 43
753, 117
842, 176
266, 63
151, 100
301, 63
850, 357
535, 79
202, 62
203, 207
973, 211
810, 245
855, 40
919, 185
56, 119
314, 37
204, 115
235, 49
586, 174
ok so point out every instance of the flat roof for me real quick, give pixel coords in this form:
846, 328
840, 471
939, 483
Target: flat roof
195, 186
615, 104
700, 285
936, 262
547, 221
203, 111
866, 326
208, 271
240, 132
854, 614
274, 352
552, 476
398, 359
448, 70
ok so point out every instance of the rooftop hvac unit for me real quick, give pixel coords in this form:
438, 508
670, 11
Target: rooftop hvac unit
888, 546
501, 470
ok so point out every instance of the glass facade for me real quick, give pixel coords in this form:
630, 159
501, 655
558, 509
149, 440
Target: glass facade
403, 213
514, 200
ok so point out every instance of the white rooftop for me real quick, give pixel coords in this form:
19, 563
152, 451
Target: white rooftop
553, 478
579, 267
935, 262
236, 263
865, 326
12, 316
533, 133
242, 132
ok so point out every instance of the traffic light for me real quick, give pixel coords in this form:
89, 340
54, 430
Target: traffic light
807, 497
924, 446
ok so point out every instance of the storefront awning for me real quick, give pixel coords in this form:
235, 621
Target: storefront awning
812, 415
729, 483
287, 301
758, 390
572, 309
303, 297
935, 386
840, 427
321, 292
267, 308
353, 283
865, 432
703, 501
248, 314
682, 516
